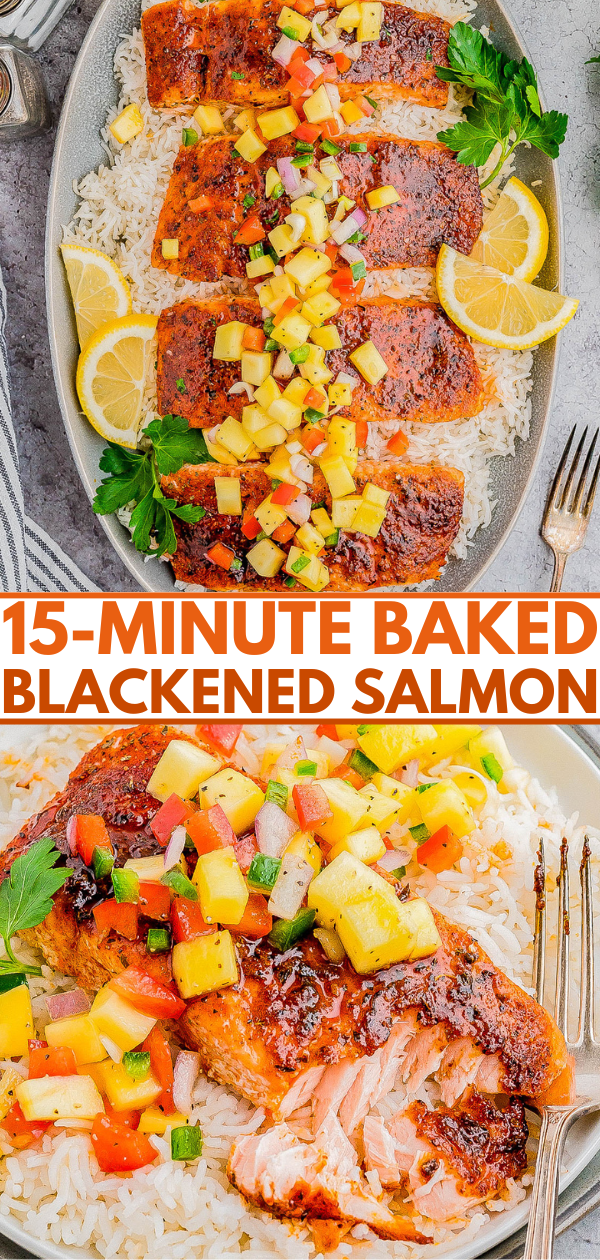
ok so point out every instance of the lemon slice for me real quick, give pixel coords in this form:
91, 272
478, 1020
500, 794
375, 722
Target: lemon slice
495, 308
514, 236
111, 375
99, 292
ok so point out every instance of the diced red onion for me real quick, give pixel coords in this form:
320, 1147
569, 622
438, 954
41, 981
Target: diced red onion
187, 1066
317, 35
332, 194
284, 50
112, 1049
175, 848
273, 829
344, 378
297, 222
333, 748
296, 751
265, 312
284, 368
211, 434
61, 1005
335, 48
72, 834
304, 187
409, 774
242, 387
294, 448
333, 93
393, 858
295, 874
353, 51
331, 25
344, 230
360, 216
289, 174
351, 253
314, 64
319, 449
299, 511
301, 467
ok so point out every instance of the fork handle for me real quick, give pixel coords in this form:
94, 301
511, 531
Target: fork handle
539, 1244
560, 560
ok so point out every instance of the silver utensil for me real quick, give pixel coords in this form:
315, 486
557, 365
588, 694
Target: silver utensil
567, 512
556, 1121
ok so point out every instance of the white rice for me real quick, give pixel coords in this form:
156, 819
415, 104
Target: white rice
171, 1210
118, 212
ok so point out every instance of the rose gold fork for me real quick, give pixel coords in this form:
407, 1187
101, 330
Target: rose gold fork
566, 516
556, 1121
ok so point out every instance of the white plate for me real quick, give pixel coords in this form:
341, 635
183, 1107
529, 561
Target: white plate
552, 756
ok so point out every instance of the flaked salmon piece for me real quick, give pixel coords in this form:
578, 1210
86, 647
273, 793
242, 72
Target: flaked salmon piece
423, 1056
440, 203
432, 374
489, 1074
193, 53
319, 1179
358, 1099
302, 1091
459, 1067
375, 1076
449, 1158
335, 1084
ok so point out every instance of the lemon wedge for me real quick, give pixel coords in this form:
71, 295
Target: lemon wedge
111, 376
99, 292
497, 309
514, 236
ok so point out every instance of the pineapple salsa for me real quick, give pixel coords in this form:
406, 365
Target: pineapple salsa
301, 285
323, 840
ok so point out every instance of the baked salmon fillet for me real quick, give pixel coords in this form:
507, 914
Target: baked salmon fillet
440, 203
432, 371
193, 53
421, 522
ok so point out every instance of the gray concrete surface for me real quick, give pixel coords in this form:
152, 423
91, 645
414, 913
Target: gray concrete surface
561, 35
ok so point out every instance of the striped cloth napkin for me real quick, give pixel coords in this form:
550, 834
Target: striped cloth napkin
29, 559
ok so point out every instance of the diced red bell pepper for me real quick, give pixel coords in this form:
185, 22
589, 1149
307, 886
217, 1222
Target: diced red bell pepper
221, 735
328, 730
312, 436
342, 62
286, 308
301, 73
398, 444
22, 1132
118, 1148
250, 231
147, 994
308, 132
129, 1119
253, 338
303, 6
120, 916
329, 72
36, 1043
161, 1066
330, 129
251, 527
362, 433
210, 829
218, 554
312, 806
349, 775
314, 398
199, 204
86, 833
297, 103
245, 848
284, 532
440, 851
387, 842
256, 920
187, 921
331, 250
155, 901
51, 1061
168, 817
364, 105
285, 493
301, 53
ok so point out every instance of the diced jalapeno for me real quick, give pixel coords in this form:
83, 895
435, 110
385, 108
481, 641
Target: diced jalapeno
285, 932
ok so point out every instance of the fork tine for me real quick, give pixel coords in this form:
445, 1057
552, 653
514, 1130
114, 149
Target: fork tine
553, 496
589, 503
586, 1011
561, 1005
539, 939
578, 495
573, 469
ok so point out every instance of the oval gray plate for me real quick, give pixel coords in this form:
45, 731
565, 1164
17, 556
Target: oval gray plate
92, 90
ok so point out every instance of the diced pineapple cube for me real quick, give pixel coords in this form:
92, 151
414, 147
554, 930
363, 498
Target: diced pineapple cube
116, 1018
450, 739
317, 286
379, 931
221, 886
249, 147
341, 881
490, 742
16, 1021
271, 515
278, 122
404, 797
209, 120
340, 395
122, 1091
384, 196
282, 240
341, 439
283, 287
318, 107
286, 413
232, 436
155, 1120
366, 845
350, 112
269, 437
254, 419
336, 474
373, 494
380, 810
272, 180
349, 17
369, 362
393, 746
292, 331
444, 804
306, 266
300, 25
315, 217
79, 1034
169, 247
347, 807
369, 519
181, 769
229, 495
309, 539
371, 17
314, 369
267, 393
262, 266
150, 868
205, 964
322, 182
219, 453
320, 307
128, 124
473, 788
8, 1082
322, 521
330, 168
59, 1098
296, 390
256, 366
237, 795
309, 574
246, 121
328, 338
305, 846
266, 559
228, 341
343, 511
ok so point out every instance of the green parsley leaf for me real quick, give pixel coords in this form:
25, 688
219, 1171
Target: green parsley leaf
237, 74
26, 895
248, 201
175, 444
181, 386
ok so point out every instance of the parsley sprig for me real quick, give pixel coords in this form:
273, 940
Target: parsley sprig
506, 107
26, 897
134, 478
